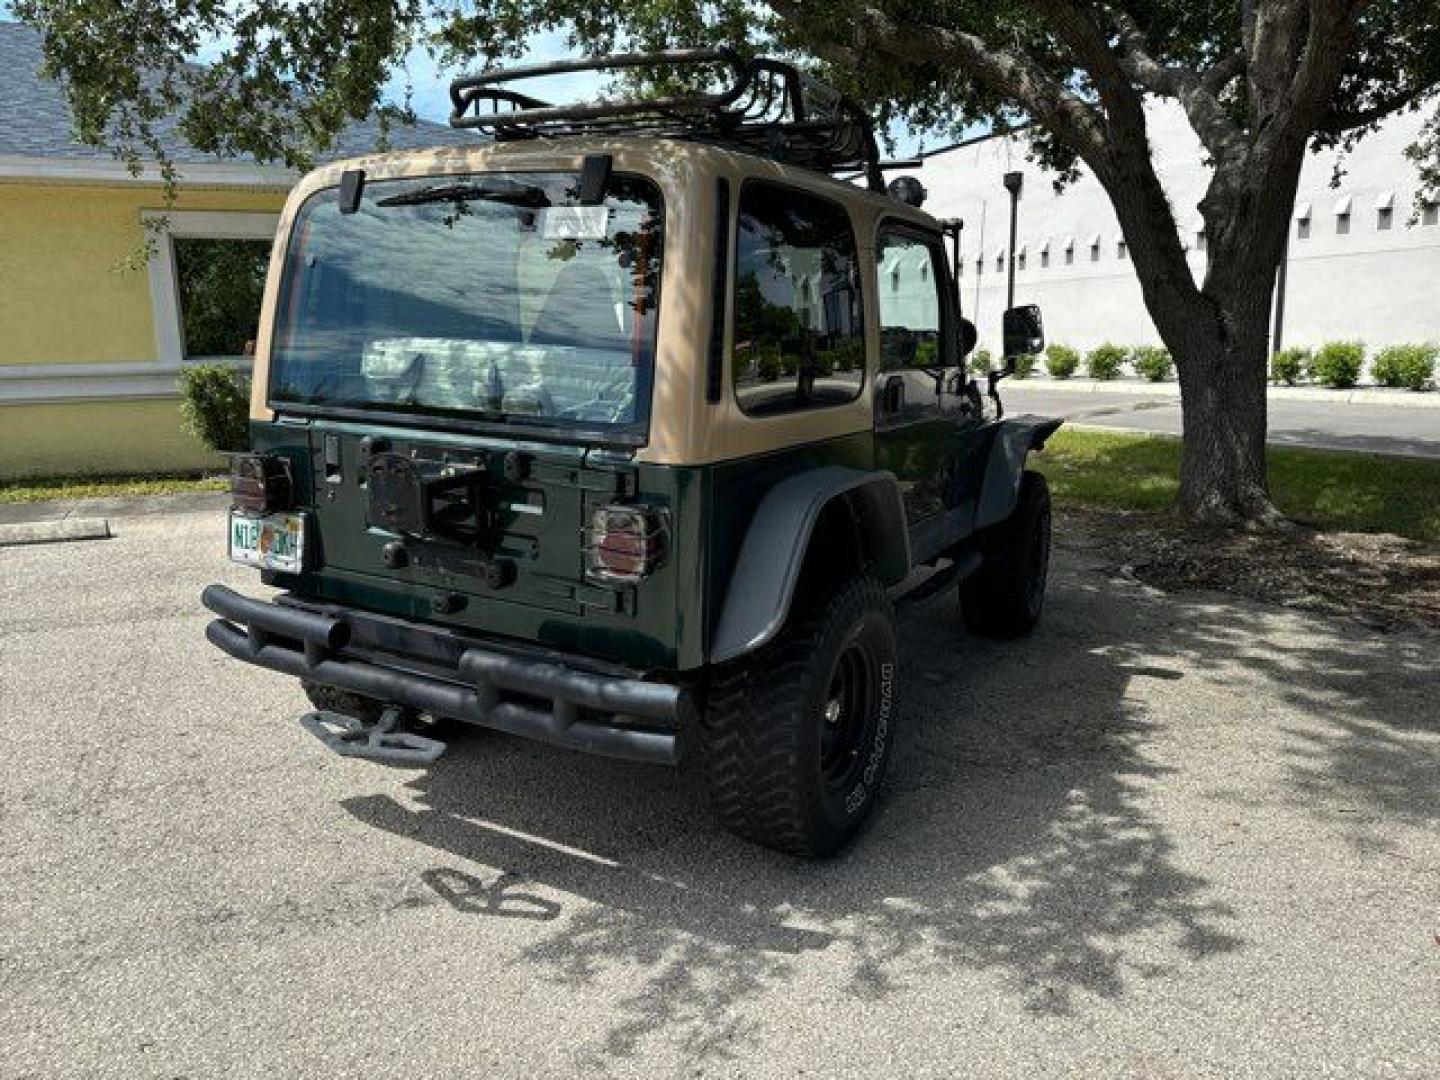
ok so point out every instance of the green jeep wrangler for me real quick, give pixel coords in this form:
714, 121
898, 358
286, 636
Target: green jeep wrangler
626, 430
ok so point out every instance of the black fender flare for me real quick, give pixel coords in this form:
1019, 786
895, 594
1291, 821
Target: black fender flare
1015, 438
758, 598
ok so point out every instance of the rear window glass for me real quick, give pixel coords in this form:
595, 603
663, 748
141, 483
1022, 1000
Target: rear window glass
493, 296
799, 329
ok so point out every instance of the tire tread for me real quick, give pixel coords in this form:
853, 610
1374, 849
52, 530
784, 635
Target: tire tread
753, 727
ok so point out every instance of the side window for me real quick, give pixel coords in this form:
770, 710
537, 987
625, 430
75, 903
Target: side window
911, 270
799, 334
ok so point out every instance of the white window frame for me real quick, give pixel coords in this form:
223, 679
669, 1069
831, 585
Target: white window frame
1342, 216
165, 227
1385, 211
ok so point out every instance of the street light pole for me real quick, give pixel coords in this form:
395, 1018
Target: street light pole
1277, 335
1014, 182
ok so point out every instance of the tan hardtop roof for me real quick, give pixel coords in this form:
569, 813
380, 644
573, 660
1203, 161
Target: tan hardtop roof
638, 151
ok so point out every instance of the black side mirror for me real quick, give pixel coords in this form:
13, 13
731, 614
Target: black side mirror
968, 338
1024, 332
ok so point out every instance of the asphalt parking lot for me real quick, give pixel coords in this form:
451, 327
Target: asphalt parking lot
1401, 423
1165, 837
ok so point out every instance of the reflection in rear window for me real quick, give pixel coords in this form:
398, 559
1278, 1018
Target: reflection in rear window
490, 295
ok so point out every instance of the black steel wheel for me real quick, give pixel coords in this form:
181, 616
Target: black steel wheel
798, 737
1006, 596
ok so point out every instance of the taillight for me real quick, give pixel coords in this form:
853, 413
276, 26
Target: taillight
626, 543
260, 483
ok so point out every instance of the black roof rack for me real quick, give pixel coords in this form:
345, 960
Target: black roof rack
769, 108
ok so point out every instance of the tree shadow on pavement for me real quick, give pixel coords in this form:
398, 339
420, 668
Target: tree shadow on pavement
1018, 835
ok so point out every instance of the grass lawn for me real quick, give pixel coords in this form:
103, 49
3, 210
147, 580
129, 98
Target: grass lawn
106, 487
1324, 488
1327, 489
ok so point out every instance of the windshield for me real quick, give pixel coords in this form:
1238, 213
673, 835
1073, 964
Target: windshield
494, 296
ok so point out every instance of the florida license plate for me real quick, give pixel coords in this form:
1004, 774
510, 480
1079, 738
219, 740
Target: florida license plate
269, 541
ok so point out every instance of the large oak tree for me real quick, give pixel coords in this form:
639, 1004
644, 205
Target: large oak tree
1261, 82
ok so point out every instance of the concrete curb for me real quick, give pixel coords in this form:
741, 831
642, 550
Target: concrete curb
1273, 442
51, 532
112, 507
1360, 395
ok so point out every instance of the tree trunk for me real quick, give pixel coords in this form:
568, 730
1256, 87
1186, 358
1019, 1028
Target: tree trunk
1217, 332
1221, 363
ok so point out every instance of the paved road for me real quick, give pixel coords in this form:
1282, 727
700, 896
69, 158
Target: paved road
1166, 837
1338, 426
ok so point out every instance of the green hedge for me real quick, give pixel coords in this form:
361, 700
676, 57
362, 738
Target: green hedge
1105, 362
1061, 361
1410, 366
1153, 363
1338, 364
215, 406
1289, 366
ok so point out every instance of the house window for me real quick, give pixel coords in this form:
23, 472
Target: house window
1302, 229
1342, 224
207, 275
219, 284
1430, 214
1069, 256
1000, 262
795, 348
1385, 211
1200, 240
1095, 252
1022, 260
1122, 249
1044, 260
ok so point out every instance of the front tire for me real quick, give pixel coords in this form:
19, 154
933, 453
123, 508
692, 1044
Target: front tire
1005, 597
798, 736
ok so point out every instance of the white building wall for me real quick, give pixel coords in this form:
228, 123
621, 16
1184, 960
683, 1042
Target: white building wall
1379, 286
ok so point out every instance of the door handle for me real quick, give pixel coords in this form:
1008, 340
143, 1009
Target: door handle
892, 394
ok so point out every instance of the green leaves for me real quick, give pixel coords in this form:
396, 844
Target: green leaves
281, 78
215, 406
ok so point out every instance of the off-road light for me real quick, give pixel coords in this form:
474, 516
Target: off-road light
260, 483
908, 190
625, 544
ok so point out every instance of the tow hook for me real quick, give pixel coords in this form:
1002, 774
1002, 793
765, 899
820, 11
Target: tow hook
386, 740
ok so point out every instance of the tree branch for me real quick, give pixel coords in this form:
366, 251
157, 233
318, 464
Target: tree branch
1090, 46
1223, 72
1007, 73
1338, 121
1198, 94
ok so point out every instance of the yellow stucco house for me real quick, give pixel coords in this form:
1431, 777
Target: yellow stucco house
89, 352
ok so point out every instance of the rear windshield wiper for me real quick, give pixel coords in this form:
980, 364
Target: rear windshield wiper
527, 195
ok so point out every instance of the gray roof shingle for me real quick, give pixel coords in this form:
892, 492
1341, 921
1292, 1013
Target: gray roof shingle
36, 122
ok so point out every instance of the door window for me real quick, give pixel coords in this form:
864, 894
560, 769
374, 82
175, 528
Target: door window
911, 268
799, 331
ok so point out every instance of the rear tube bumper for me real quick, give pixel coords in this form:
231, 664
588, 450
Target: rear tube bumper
483, 691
